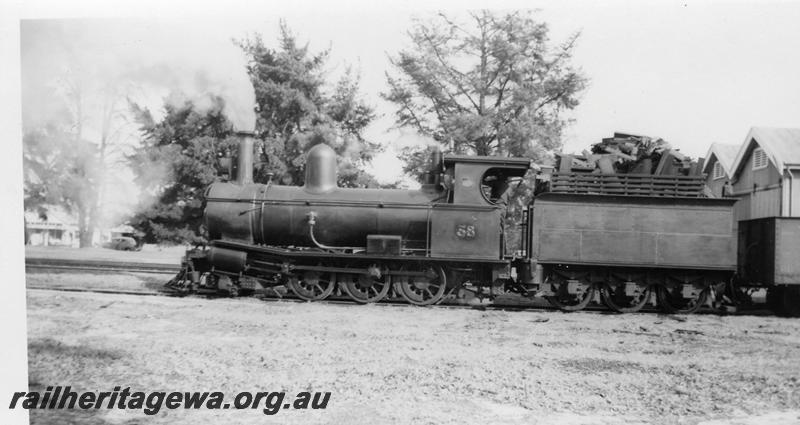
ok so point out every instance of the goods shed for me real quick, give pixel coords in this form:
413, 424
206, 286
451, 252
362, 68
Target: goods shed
718, 168
766, 180
766, 174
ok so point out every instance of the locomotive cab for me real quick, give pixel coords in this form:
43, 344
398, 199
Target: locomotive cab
481, 180
469, 225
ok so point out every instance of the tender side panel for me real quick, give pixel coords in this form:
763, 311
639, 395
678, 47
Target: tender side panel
634, 231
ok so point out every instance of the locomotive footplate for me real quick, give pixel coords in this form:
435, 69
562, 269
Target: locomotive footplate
328, 255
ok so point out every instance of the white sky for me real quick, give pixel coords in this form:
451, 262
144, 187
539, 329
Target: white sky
692, 73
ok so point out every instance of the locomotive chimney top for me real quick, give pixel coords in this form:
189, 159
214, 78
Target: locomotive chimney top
320, 169
244, 173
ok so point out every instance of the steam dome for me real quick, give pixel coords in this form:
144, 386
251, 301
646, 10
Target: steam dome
320, 169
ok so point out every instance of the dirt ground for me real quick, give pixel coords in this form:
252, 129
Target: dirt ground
403, 364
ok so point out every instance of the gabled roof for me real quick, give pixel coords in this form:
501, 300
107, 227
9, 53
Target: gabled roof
782, 146
725, 154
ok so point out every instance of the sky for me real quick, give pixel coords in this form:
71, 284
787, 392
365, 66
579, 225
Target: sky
692, 73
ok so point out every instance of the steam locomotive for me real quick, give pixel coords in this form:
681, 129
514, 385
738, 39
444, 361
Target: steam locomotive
625, 241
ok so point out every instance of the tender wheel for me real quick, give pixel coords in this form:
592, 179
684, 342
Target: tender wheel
312, 285
423, 290
572, 302
366, 289
614, 297
673, 301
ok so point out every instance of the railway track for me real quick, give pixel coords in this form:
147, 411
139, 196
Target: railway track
594, 309
263, 297
99, 266
103, 267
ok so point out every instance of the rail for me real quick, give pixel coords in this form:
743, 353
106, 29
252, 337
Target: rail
99, 266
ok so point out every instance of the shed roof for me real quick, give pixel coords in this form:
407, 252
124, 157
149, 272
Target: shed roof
782, 146
725, 154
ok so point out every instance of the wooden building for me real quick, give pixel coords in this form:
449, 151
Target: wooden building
766, 174
718, 168
55, 229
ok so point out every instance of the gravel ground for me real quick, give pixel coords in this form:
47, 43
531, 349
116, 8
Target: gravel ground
404, 364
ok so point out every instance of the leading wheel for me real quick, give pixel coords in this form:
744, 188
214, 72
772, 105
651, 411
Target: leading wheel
674, 302
614, 297
366, 289
425, 288
312, 285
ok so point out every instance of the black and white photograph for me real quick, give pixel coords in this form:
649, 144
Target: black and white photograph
404, 213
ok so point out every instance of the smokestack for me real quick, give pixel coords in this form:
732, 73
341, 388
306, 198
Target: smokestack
244, 174
436, 161
435, 166
431, 177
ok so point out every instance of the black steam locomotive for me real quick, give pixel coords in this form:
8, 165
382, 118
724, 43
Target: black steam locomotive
623, 240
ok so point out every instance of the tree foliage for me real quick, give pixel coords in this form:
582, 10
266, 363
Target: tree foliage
487, 84
61, 169
491, 85
297, 110
178, 158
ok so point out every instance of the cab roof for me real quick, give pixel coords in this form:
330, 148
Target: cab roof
513, 166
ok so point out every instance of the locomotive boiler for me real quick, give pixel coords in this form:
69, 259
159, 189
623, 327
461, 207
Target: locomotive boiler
318, 214
624, 241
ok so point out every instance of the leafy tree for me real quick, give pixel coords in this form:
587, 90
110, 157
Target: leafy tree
492, 85
72, 122
62, 170
177, 160
296, 110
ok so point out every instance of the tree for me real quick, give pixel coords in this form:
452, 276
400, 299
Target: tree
296, 112
178, 158
71, 121
492, 85
62, 170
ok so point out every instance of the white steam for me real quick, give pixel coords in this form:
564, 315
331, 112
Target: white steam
141, 60
111, 61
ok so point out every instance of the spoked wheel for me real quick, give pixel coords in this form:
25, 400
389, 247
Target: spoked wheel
312, 285
572, 301
423, 290
614, 297
674, 302
366, 289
